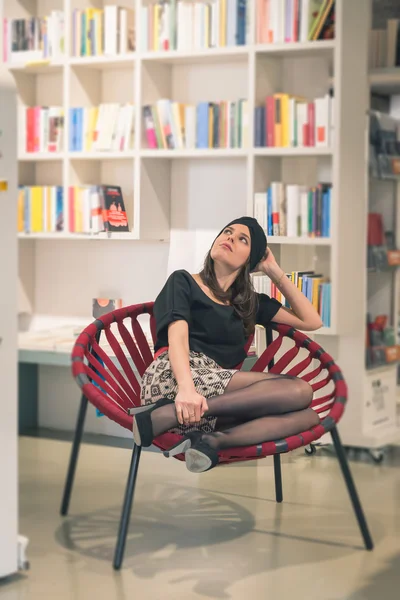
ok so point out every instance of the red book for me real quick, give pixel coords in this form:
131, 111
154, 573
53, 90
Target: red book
71, 209
270, 121
306, 134
311, 124
30, 126
36, 130
295, 33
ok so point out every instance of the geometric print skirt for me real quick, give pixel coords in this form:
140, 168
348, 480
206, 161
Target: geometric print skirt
208, 377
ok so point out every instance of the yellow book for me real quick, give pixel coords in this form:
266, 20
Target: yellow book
77, 210
210, 125
21, 209
315, 291
98, 28
222, 23
36, 209
90, 13
300, 283
283, 117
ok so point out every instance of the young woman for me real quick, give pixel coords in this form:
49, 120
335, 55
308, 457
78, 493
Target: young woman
203, 321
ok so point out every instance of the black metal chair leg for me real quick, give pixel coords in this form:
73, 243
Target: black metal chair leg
278, 477
126, 508
344, 465
74, 455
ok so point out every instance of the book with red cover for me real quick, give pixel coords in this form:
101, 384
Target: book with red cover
113, 208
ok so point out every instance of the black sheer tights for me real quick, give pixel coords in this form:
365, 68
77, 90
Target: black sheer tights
255, 408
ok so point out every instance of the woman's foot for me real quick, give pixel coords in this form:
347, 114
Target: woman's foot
201, 456
144, 430
184, 444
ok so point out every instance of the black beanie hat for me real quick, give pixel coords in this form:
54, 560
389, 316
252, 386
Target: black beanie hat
258, 239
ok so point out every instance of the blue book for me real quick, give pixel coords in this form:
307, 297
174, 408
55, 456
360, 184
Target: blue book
241, 22
202, 125
71, 130
269, 212
79, 129
59, 208
328, 212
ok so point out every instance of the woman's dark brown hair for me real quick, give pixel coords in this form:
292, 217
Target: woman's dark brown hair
241, 294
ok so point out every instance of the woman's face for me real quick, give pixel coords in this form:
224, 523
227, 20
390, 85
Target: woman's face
232, 247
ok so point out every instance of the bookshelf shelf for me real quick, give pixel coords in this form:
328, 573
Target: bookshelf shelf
65, 235
102, 62
37, 67
210, 55
41, 157
299, 241
128, 155
298, 48
196, 153
385, 81
298, 152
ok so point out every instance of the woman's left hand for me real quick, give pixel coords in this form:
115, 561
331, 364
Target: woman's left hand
268, 263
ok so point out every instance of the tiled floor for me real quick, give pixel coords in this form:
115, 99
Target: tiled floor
216, 535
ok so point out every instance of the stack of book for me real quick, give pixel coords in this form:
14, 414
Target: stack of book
384, 46
96, 208
295, 210
179, 25
281, 21
29, 40
207, 125
313, 285
108, 127
110, 31
289, 121
40, 209
41, 128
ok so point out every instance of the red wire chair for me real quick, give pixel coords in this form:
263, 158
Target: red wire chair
111, 383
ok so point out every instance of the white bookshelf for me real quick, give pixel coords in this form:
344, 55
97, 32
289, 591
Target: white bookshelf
184, 196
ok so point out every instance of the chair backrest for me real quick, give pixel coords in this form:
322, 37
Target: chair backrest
111, 355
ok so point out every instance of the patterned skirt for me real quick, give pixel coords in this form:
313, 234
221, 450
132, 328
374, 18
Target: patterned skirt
208, 377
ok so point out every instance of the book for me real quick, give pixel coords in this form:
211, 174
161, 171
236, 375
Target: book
295, 210
41, 129
314, 286
109, 31
113, 208
288, 21
108, 127
35, 38
288, 121
206, 125
186, 26
40, 209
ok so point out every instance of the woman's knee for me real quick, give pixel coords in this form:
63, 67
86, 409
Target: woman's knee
302, 393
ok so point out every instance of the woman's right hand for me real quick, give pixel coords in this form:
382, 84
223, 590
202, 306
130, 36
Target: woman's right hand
190, 406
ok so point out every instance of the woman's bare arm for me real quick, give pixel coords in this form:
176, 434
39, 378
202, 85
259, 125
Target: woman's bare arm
190, 406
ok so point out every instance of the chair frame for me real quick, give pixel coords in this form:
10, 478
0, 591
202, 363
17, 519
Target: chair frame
329, 423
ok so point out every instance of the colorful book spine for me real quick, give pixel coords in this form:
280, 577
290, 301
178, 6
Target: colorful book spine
288, 21
109, 31
287, 121
168, 25
41, 129
33, 39
170, 125
109, 127
295, 210
40, 209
